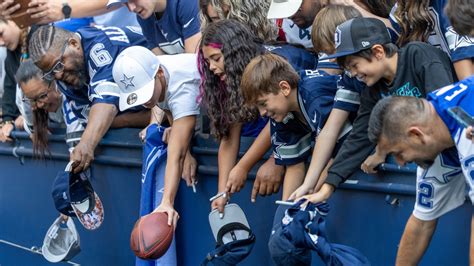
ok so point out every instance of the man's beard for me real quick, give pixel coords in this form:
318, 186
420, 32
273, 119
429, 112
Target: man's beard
81, 74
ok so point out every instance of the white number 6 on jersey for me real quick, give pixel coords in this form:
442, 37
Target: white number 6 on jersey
99, 56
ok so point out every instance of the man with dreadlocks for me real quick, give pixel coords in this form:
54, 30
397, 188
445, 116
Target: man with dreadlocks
85, 58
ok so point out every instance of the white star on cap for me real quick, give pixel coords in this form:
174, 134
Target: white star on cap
127, 81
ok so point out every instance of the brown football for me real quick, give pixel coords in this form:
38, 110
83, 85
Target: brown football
151, 236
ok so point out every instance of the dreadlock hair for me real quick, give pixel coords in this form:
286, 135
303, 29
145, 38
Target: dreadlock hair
224, 98
47, 38
414, 20
252, 13
26, 72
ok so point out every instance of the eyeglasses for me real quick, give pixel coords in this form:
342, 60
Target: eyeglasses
58, 66
42, 97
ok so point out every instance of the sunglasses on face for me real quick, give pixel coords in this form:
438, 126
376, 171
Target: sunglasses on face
58, 66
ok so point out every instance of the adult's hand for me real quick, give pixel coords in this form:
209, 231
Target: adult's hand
5, 132
189, 169
173, 215
268, 179
82, 156
46, 11
219, 204
322, 195
7, 8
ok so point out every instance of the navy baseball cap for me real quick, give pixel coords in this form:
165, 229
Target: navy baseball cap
358, 34
74, 196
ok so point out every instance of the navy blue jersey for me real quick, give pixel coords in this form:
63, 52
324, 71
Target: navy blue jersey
101, 46
298, 58
292, 138
348, 93
443, 35
178, 22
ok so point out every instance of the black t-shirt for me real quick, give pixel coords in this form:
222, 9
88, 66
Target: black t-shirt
421, 68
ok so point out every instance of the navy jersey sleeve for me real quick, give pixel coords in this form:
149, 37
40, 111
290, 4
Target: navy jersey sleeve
298, 58
316, 92
101, 46
188, 17
348, 94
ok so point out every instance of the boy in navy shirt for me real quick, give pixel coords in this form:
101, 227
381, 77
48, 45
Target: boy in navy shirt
298, 105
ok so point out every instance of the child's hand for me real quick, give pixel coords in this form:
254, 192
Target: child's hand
374, 160
301, 191
470, 133
268, 180
322, 195
236, 180
219, 204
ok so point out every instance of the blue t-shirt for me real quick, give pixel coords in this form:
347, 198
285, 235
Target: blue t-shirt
443, 35
101, 46
179, 21
460, 94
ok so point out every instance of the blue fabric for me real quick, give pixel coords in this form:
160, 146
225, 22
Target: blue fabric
73, 24
459, 94
306, 230
178, 22
231, 253
253, 128
153, 183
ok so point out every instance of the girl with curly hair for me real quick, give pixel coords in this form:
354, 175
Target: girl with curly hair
250, 12
227, 46
426, 21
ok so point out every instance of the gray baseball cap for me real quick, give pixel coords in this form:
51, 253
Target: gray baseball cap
358, 34
61, 241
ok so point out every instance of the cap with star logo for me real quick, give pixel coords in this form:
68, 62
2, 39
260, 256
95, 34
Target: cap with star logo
134, 72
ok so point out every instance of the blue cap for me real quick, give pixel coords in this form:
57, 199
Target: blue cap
74, 196
358, 34
69, 188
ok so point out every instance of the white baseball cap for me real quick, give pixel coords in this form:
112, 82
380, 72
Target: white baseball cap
283, 8
112, 3
61, 241
134, 72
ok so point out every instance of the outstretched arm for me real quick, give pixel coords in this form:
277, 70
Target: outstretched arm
415, 240
325, 143
101, 116
178, 142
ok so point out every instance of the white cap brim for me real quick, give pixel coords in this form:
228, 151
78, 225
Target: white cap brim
142, 96
114, 3
283, 9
